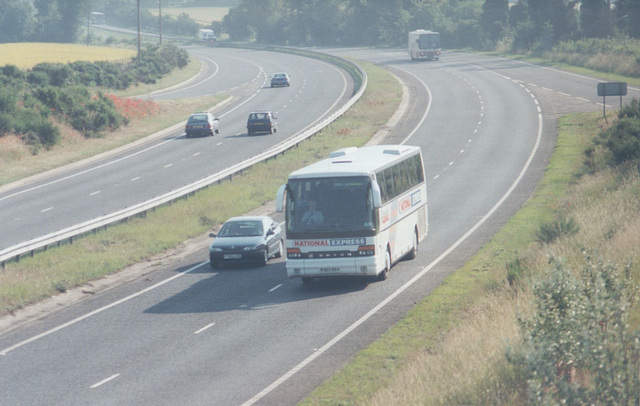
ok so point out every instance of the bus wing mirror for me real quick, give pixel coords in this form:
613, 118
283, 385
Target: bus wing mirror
280, 198
375, 191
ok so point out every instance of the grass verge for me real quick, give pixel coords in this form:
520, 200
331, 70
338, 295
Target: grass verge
111, 250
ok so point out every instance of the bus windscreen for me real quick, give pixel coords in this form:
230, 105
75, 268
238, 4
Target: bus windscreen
335, 203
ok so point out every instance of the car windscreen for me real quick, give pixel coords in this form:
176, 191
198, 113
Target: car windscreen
241, 229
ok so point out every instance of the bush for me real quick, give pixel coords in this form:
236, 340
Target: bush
59, 74
98, 115
578, 348
12, 71
46, 132
38, 78
559, 227
6, 123
8, 101
622, 139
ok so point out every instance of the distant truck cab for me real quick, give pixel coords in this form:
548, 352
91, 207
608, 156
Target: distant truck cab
205, 34
424, 44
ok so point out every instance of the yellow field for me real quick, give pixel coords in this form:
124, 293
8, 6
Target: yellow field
201, 15
27, 54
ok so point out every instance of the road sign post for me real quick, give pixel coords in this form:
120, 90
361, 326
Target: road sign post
611, 89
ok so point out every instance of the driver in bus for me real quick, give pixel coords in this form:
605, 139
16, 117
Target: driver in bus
313, 215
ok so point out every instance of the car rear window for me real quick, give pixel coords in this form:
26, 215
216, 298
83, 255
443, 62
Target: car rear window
198, 118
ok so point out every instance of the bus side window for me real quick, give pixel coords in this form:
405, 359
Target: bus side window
418, 168
388, 178
411, 171
397, 180
383, 186
404, 169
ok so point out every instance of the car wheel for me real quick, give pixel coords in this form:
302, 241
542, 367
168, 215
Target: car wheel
271, 130
187, 135
265, 257
280, 251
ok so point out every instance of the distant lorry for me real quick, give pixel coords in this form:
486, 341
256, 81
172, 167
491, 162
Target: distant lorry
205, 34
424, 44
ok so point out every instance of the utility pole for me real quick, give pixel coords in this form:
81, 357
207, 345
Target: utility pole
139, 37
160, 18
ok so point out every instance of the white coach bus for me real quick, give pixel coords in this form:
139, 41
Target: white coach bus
355, 213
424, 44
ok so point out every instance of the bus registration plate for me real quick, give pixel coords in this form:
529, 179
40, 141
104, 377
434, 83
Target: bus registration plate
330, 269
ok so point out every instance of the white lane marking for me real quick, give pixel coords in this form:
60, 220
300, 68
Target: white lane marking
424, 116
135, 179
204, 328
46, 210
100, 310
168, 165
198, 83
102, 382
94, 193
404, 287
274, 288
87, 170
196, 154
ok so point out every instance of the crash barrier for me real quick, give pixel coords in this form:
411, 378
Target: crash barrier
68, 235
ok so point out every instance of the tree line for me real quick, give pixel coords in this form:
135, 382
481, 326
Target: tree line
462, 23
480, 24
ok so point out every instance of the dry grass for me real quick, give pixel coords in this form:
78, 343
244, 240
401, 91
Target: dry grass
468, 354
27, 54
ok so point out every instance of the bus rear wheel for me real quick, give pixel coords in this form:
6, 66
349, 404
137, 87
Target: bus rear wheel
382, 276
414, 249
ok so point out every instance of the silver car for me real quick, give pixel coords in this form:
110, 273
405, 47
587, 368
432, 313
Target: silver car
246, 239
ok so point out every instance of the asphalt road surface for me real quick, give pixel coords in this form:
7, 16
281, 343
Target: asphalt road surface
183, 334
91, 189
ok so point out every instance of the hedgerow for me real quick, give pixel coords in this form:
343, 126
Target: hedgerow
73, 93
